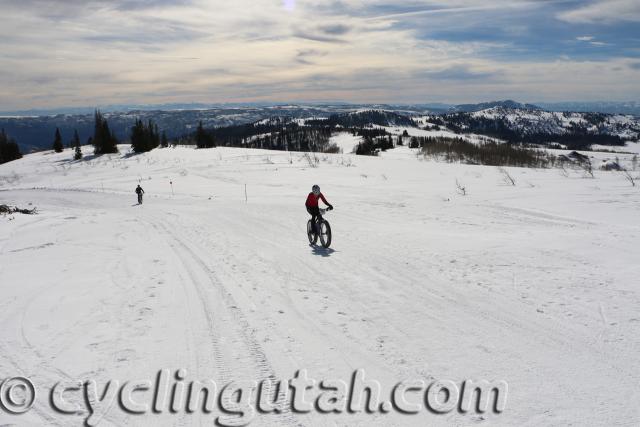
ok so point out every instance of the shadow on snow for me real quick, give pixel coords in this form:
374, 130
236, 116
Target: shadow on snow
320, 251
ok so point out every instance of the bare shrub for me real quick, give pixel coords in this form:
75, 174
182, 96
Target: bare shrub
506, 177
587, 167
4, 209
332, 148
628, 177
311, 159
484, 153
461, 188
563, 170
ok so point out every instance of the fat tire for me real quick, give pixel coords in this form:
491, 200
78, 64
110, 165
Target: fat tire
325, 234
313, 237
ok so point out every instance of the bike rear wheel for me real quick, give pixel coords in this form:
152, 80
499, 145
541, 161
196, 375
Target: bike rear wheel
325, 233
311, 234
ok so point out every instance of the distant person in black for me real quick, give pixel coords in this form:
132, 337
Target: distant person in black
140, 192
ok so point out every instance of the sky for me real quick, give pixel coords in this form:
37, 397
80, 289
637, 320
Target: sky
56, 53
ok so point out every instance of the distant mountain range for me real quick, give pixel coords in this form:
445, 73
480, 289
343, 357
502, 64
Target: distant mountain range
575, 130
470, 108
509, 120
630, 107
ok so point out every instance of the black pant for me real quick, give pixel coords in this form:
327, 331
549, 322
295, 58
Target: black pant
314, 211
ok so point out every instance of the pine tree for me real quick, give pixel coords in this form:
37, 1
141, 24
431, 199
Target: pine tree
9, 149
97, 132
164, 142
200, 136
156, 136
76, 143
110, 142
104, 141
203, 138
137, 137
57, 142
144, 137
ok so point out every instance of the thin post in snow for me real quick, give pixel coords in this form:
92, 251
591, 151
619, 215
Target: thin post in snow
246, 200
171, 183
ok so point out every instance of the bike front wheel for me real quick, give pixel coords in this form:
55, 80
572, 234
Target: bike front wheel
311, 234
325, 234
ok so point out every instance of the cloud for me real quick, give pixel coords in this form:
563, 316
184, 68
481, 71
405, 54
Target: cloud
289, 5
317, 37
592, 41
458, 72
125, 51
604, 11
103, 4
305, 56
335, 29
325, 33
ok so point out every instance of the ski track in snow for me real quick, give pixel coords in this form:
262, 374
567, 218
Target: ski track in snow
534, 284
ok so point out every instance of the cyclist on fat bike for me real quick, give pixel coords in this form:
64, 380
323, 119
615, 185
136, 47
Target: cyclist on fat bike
140, 192
312, 204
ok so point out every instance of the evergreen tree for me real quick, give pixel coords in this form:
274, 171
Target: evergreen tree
156, 135
200, 136
144, 137
97, 132
164, 141
57, 142
203, 139
110, 142
137, 137
104, 141
76, 143
9, 149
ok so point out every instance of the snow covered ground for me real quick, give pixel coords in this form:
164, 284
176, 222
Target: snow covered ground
535, 284
629, 147
555, 122
413, 131
346, 141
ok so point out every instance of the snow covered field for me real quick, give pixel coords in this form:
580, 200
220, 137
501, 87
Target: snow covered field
535, 284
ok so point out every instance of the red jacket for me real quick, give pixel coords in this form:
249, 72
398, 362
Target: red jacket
312, 200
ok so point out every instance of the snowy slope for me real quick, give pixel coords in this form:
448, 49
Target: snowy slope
534, 284
554, 122
346, 141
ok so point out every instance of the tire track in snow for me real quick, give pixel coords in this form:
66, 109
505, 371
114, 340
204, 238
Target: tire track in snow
237, 319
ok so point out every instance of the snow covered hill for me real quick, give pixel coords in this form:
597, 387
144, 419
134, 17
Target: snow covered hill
522, 122
506, 104
533, 283
507, 120
536, 121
